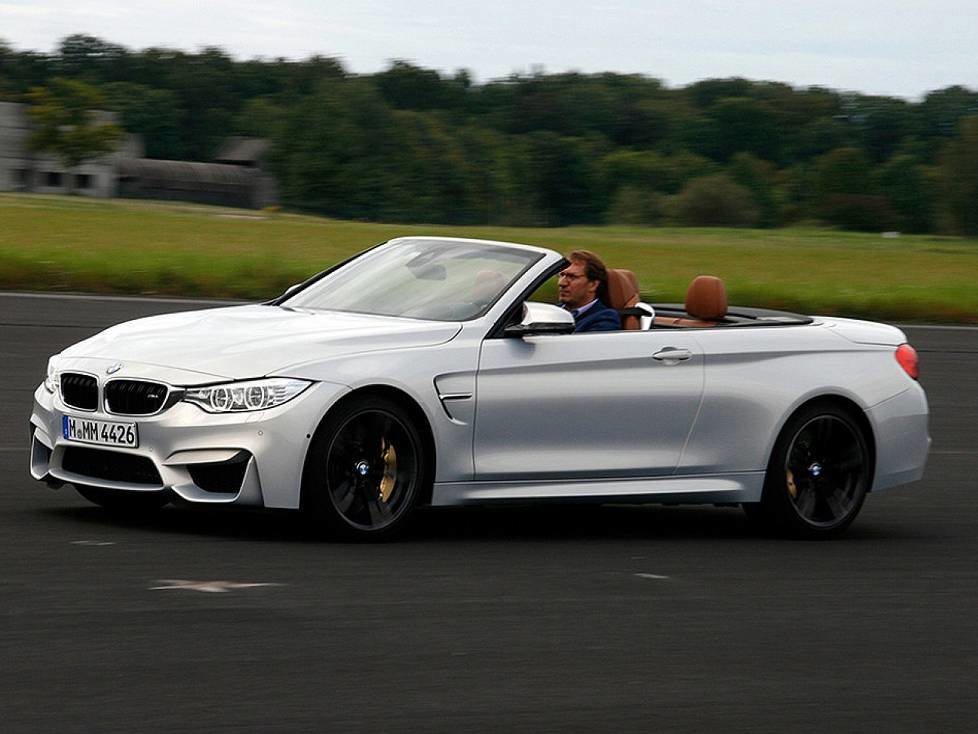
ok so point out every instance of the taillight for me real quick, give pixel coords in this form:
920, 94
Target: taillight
906, 355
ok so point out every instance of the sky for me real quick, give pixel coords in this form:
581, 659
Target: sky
899, 47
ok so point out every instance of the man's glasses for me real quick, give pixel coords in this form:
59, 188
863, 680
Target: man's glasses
569, 276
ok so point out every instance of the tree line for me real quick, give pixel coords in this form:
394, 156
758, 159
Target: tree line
411, 144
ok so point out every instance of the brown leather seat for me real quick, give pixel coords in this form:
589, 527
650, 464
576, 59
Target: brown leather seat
706, 298
622, 294
706, 304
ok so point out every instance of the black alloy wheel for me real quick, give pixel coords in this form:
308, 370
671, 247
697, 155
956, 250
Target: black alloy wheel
365, 470
819, 474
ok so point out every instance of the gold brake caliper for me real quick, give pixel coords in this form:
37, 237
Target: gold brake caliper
390, 472
792, 489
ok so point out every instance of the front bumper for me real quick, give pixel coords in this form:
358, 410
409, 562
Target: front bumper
250, 459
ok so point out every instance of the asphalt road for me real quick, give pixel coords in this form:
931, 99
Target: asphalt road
610, 619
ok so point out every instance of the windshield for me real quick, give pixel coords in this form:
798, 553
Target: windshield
422, 279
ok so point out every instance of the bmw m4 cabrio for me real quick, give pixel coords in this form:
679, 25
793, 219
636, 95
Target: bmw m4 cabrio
434, 371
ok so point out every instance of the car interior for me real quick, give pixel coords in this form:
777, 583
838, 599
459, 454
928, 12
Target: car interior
705, 307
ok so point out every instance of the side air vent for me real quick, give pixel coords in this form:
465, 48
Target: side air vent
223, 477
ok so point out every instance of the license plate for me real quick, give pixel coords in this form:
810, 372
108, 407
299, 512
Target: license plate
104, 433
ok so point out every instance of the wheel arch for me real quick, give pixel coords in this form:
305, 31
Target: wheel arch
413, 409
851, 408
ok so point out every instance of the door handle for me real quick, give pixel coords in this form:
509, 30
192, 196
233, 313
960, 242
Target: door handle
670, 355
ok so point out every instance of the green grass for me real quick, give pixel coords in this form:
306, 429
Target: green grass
53, 243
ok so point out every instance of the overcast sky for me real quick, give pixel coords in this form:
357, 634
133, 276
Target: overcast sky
896, 47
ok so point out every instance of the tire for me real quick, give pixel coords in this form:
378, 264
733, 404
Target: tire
818, 475
365, 471
123, 501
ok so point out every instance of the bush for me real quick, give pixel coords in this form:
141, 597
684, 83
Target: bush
715, 201
862, 212
635, 205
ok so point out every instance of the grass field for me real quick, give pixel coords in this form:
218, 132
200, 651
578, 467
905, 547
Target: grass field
50, 243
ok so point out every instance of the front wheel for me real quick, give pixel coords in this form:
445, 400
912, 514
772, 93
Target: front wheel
365, 470
818, 476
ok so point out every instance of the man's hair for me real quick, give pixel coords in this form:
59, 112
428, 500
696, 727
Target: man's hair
594, 269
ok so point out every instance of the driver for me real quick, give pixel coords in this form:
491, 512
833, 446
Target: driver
582, 288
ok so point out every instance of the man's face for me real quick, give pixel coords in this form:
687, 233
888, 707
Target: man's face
573, 288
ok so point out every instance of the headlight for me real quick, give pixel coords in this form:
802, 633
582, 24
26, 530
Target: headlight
51, 383
238, 397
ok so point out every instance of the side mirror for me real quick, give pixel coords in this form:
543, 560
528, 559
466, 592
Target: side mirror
541, 318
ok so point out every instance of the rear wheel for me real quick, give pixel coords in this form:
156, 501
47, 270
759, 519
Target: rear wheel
818, 475
365, 470
124, 501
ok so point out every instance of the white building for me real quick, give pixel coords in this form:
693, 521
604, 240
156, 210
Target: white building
24, 170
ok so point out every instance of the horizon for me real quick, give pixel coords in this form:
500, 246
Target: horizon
524, 73
897, 49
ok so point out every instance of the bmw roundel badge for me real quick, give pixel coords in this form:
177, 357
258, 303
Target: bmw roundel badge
113, 368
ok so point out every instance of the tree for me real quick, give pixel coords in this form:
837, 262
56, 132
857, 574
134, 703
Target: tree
208, 101
80, 55
745, 125
21, 70
843, 171
715, 201
562, 175
635, 205
959, 178
646, 122
819, 136
431, 177
884, 124
942, 111
418, 144
638, 169
909, 188
152, 113
757, 177
66, 124
405, 86
845, 193
706, 93
260, 117
334, 151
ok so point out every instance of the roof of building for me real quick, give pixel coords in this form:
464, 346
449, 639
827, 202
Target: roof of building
186, 173
237, 149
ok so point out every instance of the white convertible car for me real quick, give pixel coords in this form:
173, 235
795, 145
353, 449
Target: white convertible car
423, 372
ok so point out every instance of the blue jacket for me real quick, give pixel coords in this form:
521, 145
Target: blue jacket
598, 318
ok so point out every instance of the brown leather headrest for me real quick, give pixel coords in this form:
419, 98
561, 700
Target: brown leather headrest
622, 288
706, 298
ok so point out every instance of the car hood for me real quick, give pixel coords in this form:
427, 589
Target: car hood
255, 340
